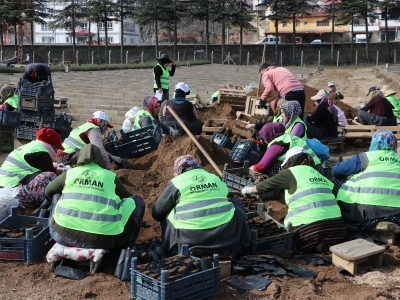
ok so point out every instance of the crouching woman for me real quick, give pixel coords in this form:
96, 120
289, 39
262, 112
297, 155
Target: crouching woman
94, 209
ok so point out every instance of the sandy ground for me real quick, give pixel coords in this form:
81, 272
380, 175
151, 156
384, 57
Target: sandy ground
145, 177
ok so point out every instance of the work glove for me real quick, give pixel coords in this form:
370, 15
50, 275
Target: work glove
250, 126
339, 95
117, 159
246, 191
263, 103
253, 172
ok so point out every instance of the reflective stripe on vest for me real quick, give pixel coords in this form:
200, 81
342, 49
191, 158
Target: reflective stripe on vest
164, 79
89, 203
378, 184
202, 203
294, 141
313, 199
74, 142
294, 122
15, 167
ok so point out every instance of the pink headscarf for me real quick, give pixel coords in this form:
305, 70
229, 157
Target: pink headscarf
149, 103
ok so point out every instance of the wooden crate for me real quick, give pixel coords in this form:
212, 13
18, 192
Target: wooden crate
236, 98
195, 99
214, 125
240, 124
367, 131
60, 102
253, 108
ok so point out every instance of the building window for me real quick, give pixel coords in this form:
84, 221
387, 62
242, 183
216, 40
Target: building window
297, 23
67, 39
45, 27
109, 26
110, 39
284, 24
85, 26
323, 23
47, 39
305, 23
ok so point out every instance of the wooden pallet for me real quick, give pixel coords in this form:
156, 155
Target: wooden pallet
367, 131
350, 254
236, 98
253, 108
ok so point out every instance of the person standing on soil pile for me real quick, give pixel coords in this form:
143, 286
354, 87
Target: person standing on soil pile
185, 111
312, 208
389, 94
333, 92
91, 207
193, 209
283, 81
291, 112
89, 133
30, 167
380, 110
279, 144
36, 72
323, 122
161, 75
371, 194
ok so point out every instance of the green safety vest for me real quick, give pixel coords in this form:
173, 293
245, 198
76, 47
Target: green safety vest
203, 203
88, 202
277, 119
217, 94
297, 120
74, 142
294, 141
164, 79
313, 199
13, 101
15, 167
378, 184
141, 113
395, 102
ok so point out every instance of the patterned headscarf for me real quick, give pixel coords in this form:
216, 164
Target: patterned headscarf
6, 91
271, 131
149, 103
292, 110
383, 140
185, 163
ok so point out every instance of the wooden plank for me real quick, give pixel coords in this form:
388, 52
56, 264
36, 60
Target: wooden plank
356, 249
360, 127
359, 135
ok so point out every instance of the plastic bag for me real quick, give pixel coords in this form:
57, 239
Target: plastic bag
320, 149
158, 95
7, 200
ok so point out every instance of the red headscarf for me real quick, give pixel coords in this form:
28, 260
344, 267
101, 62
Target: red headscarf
149, 104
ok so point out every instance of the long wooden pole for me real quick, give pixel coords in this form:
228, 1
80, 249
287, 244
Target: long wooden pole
196, 142
262, 61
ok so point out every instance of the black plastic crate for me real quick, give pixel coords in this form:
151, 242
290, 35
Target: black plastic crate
36, 103
62, 123
237, 178
10, 118
203, 284
7, 136
109, 143
222, 140
141, 133
27, 130
41, 89
136, 148
43, 116
30, 248
245, 150
276, 244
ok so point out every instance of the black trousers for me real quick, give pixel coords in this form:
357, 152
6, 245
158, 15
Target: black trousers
299, 96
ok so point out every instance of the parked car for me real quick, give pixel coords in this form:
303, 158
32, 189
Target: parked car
270, 40
316, 42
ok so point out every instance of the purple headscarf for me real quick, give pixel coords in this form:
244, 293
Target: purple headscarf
271, 131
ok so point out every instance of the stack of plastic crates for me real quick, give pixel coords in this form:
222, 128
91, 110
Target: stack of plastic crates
36, 101
62, 124
245, 150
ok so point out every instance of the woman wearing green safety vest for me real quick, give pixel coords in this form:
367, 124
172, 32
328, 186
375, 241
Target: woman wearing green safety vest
9, 98
312, 208
91, 207
291, 118
372, 193
194, 209
30, 167
279, 143
149, 115
90, 132
161, 75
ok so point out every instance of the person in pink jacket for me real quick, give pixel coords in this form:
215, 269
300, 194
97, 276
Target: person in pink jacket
283, 81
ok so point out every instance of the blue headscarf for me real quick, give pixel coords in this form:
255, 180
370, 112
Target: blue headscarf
383, 140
